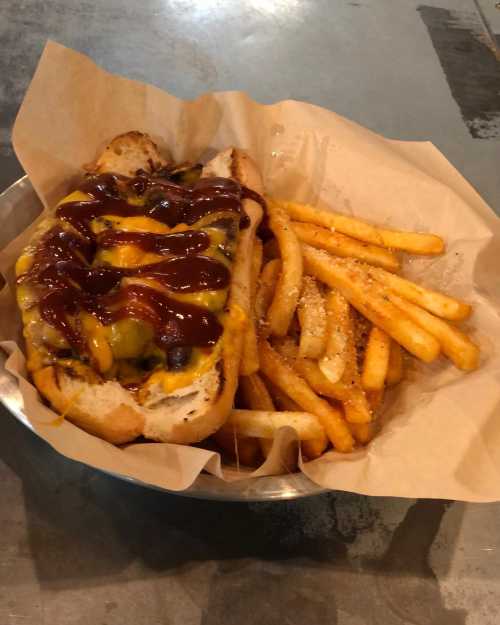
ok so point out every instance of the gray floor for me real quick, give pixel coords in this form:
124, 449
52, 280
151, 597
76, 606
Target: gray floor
79, 548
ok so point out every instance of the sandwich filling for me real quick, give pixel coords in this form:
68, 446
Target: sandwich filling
132, 276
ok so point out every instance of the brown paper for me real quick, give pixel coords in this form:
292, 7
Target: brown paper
442, 427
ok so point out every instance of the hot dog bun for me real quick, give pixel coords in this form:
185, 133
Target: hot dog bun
190, 413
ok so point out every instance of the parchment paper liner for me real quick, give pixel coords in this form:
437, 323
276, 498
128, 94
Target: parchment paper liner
442, 429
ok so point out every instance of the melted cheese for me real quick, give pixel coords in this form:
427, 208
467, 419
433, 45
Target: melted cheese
234, 324
23, 264
26, 296
99, 338
211, 300
170, 381
76, 196
129, 224
129, 256
99, 347
126, 256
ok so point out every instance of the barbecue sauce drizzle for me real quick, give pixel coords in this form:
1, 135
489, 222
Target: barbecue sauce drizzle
63, 273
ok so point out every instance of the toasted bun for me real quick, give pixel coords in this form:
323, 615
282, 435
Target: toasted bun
127, 153
192, 413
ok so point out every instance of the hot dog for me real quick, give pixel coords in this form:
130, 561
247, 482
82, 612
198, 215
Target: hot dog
134, 293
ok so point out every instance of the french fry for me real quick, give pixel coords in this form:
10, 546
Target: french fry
248, 450
347, 390
318, 381
364, 432
371, 300
281, 399
249, 362
254, 393
311, 312
342, 245
250, 357
437, 303
313, 355
266, 287
287, 348
287, 291
338, 328
376, 361
395, 370
255, 396
413, 242
242, 449
455, 344
356, 406
285, 378
265, 424
375, 398
257, 256
312, 448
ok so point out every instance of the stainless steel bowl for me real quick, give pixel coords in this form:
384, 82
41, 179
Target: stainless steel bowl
19, 206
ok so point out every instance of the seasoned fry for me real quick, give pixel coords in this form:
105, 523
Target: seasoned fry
338, 330
265, 424
437, 303
342, 245
315, 447
266, 287
347, 390
281, 399
364, 432
347, 225
371, 299
309, 364
318, 381
255, 396
257, 256
281, 374
311, 312
414, 242
287, 291
311, 448
375, 398
356, 406
395, 370
287, 348
250, 357
254, 393
242, 449
376, 362
455, 344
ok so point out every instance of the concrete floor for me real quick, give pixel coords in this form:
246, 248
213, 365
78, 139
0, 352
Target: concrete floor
80, 548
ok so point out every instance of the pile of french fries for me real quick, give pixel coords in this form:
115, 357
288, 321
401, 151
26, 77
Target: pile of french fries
331, 327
